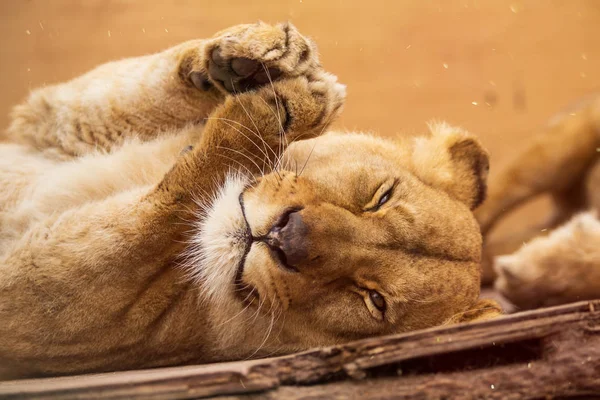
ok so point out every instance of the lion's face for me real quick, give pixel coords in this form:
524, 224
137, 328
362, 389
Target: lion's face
369, 237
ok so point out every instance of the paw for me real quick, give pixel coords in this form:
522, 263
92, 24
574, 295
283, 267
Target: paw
510, 278
559, 268
246, 57
290, 109
537, 275
525, 282
308, 104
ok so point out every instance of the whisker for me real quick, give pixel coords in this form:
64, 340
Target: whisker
248, 129
237, 97
239, 163
243, 155
282, 133
261, 302
241, 312
252, 141
277, 156
276, 350
267, 335
325, 125
308, 158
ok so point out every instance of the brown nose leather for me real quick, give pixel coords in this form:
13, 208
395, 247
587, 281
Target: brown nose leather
288, 239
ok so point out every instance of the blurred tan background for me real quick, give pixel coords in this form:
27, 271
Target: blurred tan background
498, 68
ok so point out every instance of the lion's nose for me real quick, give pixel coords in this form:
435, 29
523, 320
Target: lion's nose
287, 239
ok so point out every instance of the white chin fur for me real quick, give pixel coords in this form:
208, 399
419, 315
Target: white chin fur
217, 246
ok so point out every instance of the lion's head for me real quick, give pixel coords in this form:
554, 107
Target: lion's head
367, 237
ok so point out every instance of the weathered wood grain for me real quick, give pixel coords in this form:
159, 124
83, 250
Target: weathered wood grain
551, 352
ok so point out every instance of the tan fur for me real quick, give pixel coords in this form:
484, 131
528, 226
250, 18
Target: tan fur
560, 268
564, 162
119, 250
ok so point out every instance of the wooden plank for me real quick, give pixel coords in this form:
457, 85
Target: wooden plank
571, 370
550, 352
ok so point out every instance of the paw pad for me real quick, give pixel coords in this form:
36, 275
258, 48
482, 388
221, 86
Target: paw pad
239, 74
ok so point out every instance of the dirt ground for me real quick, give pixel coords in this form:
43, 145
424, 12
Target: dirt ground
498, 68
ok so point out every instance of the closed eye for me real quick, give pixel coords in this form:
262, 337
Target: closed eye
382, 196
385, 197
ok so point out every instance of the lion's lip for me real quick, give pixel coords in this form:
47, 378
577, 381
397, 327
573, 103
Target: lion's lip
247, 235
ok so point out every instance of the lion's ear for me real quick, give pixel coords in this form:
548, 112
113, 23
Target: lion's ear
453, 160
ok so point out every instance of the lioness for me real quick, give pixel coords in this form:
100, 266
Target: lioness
151, 217
560, 261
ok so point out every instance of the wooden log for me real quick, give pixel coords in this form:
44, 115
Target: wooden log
552, 352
